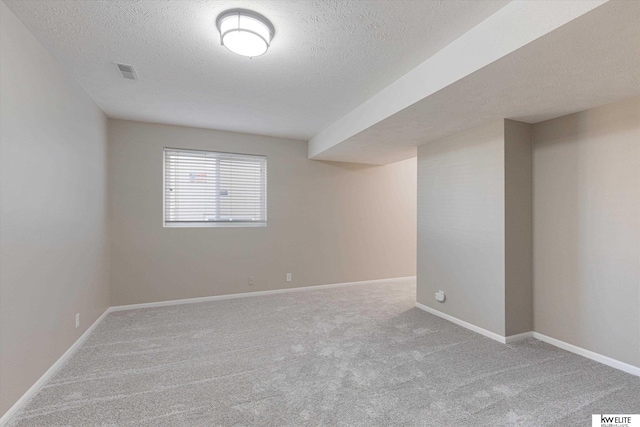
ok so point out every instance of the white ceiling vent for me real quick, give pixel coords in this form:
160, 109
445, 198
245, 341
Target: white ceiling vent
127, 71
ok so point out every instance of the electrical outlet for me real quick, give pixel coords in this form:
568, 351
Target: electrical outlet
440, 296
77, 320
288, 277
252, 280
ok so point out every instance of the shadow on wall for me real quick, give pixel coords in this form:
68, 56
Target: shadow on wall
347, 166
574, 127
586, 228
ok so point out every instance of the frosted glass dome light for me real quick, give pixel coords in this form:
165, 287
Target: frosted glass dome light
245, 32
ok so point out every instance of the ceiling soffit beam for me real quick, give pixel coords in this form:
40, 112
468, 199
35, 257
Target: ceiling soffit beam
510, 28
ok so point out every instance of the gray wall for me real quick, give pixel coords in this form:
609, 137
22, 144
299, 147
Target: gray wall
53, 226
518, 232
327, 222
461, 223
475, 226
537, 227
587, 229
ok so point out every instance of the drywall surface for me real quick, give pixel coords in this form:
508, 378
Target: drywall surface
518, 195
327, 222
587, 229
461, 225
527, 50
326, 58
53, 222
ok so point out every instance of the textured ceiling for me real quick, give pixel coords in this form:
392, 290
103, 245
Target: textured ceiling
327, 56
591, 61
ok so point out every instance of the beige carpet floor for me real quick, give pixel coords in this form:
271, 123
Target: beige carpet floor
353, 356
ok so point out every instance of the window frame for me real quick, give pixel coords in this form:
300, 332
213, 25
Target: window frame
211, 224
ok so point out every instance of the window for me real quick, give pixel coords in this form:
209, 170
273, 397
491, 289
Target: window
210, 189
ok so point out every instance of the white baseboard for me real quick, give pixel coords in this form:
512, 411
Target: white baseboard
51, 371
462, 323
518, 337
396, 280
634, 370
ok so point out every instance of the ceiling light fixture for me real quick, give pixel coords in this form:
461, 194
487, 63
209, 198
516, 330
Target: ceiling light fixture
245, 32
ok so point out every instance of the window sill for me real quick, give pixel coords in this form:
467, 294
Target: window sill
213, 224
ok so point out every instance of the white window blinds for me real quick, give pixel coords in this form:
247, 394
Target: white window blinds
211, 189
